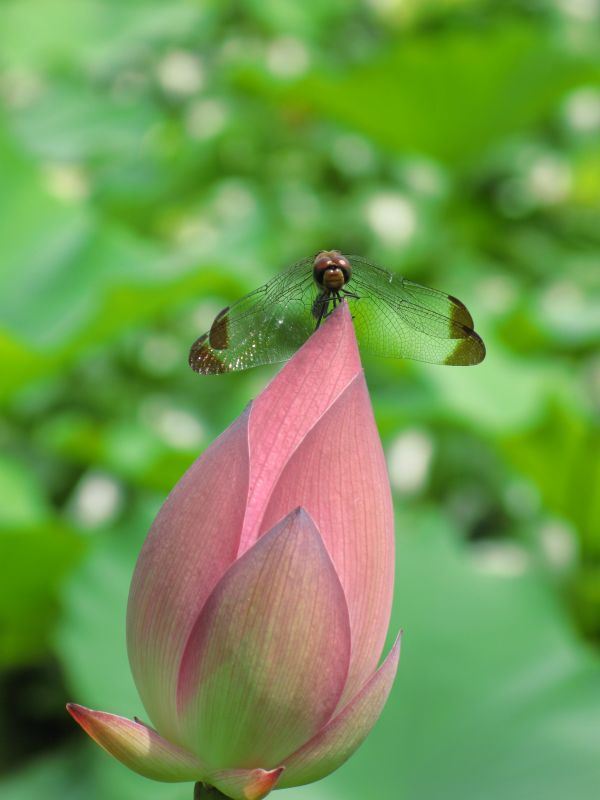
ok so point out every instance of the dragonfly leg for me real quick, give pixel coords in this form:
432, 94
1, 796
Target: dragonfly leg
354, 296
320, 307
335, 300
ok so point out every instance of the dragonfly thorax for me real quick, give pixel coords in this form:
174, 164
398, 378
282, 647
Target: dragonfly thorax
331, 270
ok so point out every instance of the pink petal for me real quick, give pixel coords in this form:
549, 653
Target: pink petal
291, 405
338, 473
192, 542
336, 742
244, 784
267, 662
138, 747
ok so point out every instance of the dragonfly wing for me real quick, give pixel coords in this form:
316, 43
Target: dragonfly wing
440, 303
264, 327
396, 318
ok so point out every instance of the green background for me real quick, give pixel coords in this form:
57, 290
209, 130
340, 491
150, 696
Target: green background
159, 160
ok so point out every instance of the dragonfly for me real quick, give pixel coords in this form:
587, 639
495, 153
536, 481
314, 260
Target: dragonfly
393, 317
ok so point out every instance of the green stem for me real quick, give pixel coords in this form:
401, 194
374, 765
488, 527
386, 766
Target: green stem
204, 792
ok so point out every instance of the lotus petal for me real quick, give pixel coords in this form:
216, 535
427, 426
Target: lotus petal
192, 542
290, 406
244, 784
338, 473
268, 659
336, 742
138, 746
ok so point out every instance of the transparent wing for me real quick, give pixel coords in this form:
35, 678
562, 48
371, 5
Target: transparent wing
396, 318
264, 327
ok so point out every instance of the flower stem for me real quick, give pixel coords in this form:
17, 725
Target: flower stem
204, 792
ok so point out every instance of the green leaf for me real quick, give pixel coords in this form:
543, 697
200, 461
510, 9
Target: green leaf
450, 95
23, 502
494, 696
85, 773
560, 455
64, 775
85, 32
485, 396
91, 638
81, 123
33, 564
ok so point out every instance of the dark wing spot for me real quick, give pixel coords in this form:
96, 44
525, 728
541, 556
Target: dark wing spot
459, 312
468, 351
219, 331
203, 360
456, 330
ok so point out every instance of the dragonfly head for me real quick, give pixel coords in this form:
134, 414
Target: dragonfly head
331, 270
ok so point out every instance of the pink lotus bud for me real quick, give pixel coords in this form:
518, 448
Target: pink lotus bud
261, 598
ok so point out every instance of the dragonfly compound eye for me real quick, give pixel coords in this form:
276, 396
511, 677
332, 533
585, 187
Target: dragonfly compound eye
331, 270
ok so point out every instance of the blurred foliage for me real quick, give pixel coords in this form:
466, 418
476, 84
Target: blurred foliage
160, 160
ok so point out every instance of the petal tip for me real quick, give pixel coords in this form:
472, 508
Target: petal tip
339, 325
300, 514
253, 784
344, 733
265, 781
80, 714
